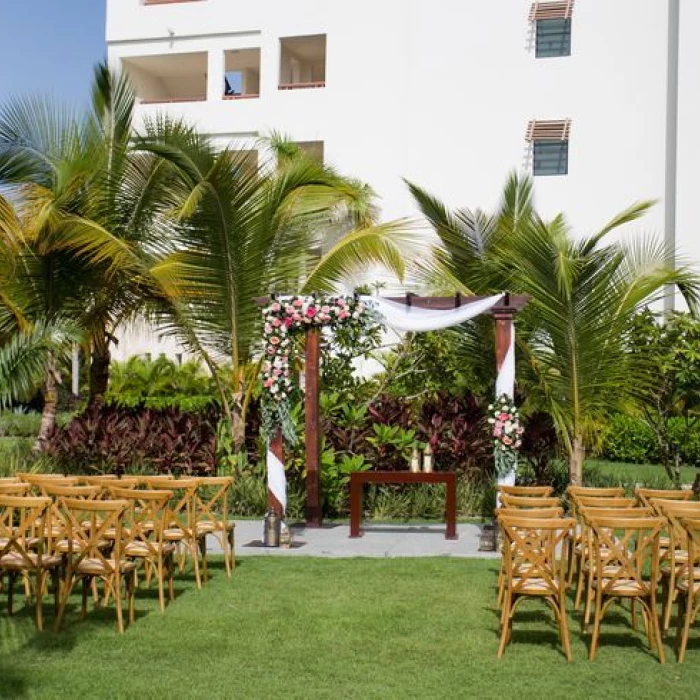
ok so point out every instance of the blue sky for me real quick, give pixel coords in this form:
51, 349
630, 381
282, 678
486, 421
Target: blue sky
50, 47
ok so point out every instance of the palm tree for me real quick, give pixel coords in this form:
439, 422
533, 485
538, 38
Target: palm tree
584, 291
242, 233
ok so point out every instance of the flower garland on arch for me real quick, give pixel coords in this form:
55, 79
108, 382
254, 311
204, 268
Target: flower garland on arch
506, 432
284, 318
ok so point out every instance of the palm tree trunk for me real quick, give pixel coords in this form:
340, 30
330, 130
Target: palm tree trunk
100, 359
576, 459
48, 415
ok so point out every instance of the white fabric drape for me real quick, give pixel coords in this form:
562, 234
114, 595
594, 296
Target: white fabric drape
412, 318
505, 384
276, 478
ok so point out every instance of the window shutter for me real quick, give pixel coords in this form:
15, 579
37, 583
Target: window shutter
550, 130
551, 10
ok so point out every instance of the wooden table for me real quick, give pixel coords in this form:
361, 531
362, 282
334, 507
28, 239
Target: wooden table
359, 479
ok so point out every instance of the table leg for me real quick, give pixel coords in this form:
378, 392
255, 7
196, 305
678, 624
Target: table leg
355, 507
451, 510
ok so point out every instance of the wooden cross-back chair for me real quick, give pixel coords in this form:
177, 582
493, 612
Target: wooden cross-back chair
539, 513
145, 519
645, 495
88, 524
584, 585
58, 493
181, 526
535, 491
626, 563
532, 569
526, 502
673, 555
212, 518
105, 480
23, 550
36, 481
574, 494
688, 586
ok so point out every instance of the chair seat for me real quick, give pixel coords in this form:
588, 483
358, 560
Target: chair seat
141, 549
207, 526
16, 562
534, 586
625, 587
175, 534
64, 546
29, 543
96, 567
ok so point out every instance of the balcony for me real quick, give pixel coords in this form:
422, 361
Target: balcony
303, 62
314, 150
242, 74
169, 78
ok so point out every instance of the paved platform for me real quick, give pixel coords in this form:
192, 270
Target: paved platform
395, 540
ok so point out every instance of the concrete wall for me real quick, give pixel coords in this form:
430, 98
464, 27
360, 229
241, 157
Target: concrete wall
441, 94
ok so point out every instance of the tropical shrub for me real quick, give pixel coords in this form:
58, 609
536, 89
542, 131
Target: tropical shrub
629, 439
110, 439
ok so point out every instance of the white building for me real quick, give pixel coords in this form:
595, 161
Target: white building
443, 93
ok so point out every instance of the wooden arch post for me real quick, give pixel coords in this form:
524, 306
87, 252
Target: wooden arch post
312, 436
503, 316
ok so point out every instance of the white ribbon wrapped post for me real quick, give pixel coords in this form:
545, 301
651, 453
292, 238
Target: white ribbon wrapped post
276, 478
505, 384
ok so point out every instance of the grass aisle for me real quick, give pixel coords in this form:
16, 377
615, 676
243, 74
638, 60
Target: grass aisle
318, 628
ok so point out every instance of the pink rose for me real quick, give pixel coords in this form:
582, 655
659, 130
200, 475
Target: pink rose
289, 309
274, 340
288, 322
343, 315
276, 372
277, 323
326, 309
311, 311
275, 307
269, 382
507, 441
504, 416
298, 303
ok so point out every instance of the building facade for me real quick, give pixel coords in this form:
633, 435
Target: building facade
598, 98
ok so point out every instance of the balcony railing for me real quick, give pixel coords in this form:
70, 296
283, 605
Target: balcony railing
173, 100
302, 86
252, 96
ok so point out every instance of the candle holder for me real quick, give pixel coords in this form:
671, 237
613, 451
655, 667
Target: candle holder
415, 461
428, 459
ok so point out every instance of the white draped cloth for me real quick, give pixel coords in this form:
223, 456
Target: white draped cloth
403, 318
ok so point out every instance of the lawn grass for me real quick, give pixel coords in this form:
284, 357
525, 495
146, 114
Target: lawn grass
322, 628
648, 473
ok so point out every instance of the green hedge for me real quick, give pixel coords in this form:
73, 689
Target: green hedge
26, 425
628, 439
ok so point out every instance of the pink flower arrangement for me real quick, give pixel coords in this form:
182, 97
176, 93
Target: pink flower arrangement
506, 432
283, 320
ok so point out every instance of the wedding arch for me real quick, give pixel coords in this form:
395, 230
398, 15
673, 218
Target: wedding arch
287, 316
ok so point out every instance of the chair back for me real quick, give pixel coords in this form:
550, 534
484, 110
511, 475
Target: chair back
14, 488
542, 491
632, 512
532, 545
9, 479
89, 524
624, 550
211, 503
674, 512
182, 505
596, 502
525, 502
127, 482
645, 495
146, 514
532, 512
36, 481
155, 481
22, 522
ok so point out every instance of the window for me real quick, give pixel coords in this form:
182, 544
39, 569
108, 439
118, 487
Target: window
177, 77
552, 28
303, 62
242, 74
550, 158
553, 38
550, 146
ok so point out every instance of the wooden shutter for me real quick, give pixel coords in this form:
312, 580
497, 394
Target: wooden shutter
551, 10
549, 130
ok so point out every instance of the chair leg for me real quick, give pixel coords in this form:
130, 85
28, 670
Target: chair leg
505, 626
65, 591
203, 551
596, 625
564, 626
667, 601
39, 595
687, 619
171, 576
195, 556
225, 546
56, 585
117, 585
131, 594
161, 592
232, 549
656, 630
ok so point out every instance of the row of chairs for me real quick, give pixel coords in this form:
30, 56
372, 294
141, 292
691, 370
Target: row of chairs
612, 546
104, 528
